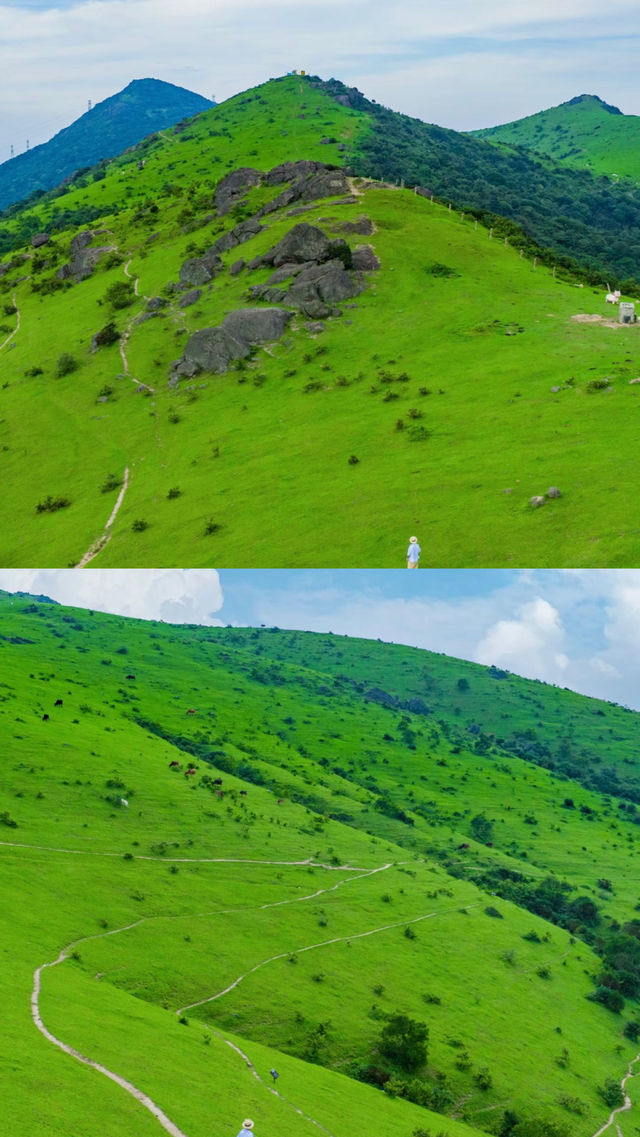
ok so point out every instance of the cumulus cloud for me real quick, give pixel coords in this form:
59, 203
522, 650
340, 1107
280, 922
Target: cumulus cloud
534, 642
178, 596
462, 65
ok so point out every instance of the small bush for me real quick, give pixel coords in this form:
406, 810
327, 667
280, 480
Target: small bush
173, 493
211, 527
491, 911
139, 525
120, 294
111, 482
66, 364
32, 372
353, 460
52, 504
107, 335
598, 385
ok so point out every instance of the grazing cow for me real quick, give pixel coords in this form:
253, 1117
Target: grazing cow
217, 781
129, 676
280, 801
191, 711
243, 793
174, 764
58, 703
45, 718
189, 773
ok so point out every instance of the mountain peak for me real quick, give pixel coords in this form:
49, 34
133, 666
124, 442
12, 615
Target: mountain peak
592, 99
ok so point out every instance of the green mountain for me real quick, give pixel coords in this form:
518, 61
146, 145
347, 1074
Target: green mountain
584, 133
173, 393
144, 106
227, 851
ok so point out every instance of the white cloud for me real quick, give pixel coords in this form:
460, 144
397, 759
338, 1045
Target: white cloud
463, 65
532, 644
178, 596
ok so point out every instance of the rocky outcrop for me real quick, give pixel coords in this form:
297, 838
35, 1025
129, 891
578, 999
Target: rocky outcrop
236, 236
40, 239
233, 188
200, 270
215, 349
190, 298
83, 258
320, 268
364, 259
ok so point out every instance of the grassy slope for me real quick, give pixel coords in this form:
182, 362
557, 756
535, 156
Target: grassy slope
282, 490
203, 924
584, 135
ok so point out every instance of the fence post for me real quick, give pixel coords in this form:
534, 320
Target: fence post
491, 234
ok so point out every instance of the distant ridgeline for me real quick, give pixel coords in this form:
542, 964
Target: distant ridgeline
144, 106
534, 202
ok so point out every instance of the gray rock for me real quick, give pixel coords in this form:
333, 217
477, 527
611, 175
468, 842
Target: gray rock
364, 259
238, 235
329, 282
232, 188
257, 262
553, 491
633, 381
215, 349
81, 241
291, 171
64, 272
155, 303
236, 267
302, 243
256, 325
314, 327
200, 270
362, 225
40, 239
554, 390
325, 183
536, 502
190, 298
285, 272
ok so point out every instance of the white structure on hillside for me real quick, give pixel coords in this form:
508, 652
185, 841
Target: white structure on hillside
627, 313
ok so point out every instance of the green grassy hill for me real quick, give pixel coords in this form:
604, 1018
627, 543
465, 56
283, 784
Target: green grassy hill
462, 380
584, 133
331, 863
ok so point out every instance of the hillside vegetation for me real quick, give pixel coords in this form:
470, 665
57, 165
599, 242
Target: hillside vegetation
107, 129
253, 849
455, 377
585, 133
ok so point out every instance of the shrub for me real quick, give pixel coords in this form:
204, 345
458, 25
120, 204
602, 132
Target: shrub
491, 911
120, 294
139, 525
106, 392
32, 372
598, 385
632, 1030
111, 482
353, 460
52, 504
65, 365
108, 334
174, 492
211, 527
611, 1093
404, 1040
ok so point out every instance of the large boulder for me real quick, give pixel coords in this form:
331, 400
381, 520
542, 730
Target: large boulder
364, 259
215, 349
302, 243
319, 287
190, 298
40, 239
200, 270
237, 235
256, 325
232, 189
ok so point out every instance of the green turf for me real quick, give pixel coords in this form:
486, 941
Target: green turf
440, 387
387, 917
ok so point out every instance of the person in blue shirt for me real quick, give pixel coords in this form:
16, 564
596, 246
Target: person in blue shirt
413, 553
247, 1128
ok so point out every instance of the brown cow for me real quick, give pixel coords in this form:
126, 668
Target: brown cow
174, 764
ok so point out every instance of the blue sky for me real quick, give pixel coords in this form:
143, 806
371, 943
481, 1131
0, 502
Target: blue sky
463, 65
576, 628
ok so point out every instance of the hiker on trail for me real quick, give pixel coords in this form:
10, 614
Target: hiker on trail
275, 1075
247, 1128
413, 553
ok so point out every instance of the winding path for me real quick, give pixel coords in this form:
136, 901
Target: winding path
167, 1124
17, 327
98, 545
621, 1108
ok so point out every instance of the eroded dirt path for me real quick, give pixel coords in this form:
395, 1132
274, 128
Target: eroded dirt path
17, 327
612, 1120
167, 1124
98, 545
